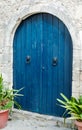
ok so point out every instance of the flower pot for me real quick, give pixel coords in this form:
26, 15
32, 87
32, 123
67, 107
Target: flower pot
78, 124
3, 118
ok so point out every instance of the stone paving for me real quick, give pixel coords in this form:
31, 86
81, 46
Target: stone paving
31, 121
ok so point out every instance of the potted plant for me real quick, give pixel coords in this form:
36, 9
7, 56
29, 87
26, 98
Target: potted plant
72, 107
6, 102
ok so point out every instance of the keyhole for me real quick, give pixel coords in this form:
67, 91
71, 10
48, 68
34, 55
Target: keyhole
54, 61
28, 59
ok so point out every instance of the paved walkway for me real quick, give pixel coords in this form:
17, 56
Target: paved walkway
30, 121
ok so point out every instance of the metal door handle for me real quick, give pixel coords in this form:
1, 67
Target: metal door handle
28, 59
54, 61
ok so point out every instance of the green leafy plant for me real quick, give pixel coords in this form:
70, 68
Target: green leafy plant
72, 106
7, 96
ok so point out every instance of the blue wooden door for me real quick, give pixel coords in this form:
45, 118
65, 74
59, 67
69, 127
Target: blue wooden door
42, 63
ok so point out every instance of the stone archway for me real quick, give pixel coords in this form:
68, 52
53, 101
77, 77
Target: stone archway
27, 11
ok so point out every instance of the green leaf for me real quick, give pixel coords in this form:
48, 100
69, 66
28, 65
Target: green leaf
7, 95
72, 106
80, 100
9, 105
62, 102
64, 97
17, 104
81, 115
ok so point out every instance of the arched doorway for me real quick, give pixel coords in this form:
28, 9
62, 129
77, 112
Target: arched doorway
42, 63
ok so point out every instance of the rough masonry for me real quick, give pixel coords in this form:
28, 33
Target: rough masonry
13, 11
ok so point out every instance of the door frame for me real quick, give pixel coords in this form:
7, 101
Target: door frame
38, 8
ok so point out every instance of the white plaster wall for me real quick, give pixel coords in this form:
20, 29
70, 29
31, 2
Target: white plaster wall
13, 11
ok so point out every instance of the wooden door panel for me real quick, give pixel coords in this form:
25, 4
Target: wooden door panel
46, 41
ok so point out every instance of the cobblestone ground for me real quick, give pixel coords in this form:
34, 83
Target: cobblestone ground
30, 121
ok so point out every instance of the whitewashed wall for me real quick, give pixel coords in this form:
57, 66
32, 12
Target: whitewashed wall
13, 11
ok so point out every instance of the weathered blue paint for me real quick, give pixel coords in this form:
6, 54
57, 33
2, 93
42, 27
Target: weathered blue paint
43, 37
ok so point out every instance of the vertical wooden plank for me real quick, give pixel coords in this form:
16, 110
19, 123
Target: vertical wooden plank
28, 66
55, 47
39, 60
36, 61
21, 57
44, 53
34, 65
48, 64
61, 63
68, 64
17, 62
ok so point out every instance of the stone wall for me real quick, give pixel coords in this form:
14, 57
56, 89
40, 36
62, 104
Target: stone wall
13, 11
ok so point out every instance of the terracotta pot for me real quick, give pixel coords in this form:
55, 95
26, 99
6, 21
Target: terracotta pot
79, 125
3, 118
